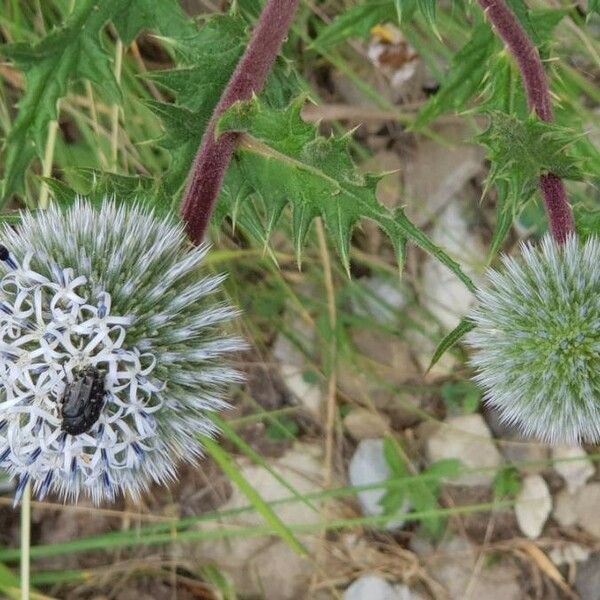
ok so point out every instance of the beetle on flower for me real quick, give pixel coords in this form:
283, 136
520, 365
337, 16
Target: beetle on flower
116, 293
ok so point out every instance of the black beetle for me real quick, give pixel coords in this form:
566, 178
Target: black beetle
82, 400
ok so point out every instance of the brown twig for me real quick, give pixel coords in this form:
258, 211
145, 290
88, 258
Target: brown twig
506, 24
249, 78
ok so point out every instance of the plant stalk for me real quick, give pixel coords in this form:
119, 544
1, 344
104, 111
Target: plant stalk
507, 26
25, 542
249, 77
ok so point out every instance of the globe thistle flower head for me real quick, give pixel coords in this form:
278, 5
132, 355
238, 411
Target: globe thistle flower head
112, 350
537, 340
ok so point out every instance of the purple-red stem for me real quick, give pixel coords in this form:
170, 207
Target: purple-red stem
560, 213
249, 77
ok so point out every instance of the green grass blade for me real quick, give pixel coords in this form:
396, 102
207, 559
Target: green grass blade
224, 460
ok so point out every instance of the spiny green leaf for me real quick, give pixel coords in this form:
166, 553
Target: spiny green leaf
357, 22
97, 186
405, 8
587, 222
68, 53
522, 12
206, 62
410, 231
467, 73
452, 338
522, 150
505, 211
504, 89
544, 22
165, 16
429, 10
286, 161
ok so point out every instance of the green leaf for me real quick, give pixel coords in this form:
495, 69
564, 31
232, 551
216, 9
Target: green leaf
593, 6
505, 211
224, 460
429, 9
507, 482
461, 395
70, 52
286, 161
405, 9
452, 338
523, 14
393, 458
206, 62
357, 22
282, 428
96, 186
393, 500
165, 16
544, 22
424, 494
468, 71
447, 468
10, 586
504, 89
522, 150
587, 222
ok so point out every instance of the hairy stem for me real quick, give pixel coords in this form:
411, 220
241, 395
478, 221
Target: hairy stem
506, 24
214, 155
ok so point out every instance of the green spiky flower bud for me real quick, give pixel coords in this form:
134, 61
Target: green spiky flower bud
537, 340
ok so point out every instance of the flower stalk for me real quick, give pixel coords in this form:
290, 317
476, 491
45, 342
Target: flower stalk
214, 155
507, 26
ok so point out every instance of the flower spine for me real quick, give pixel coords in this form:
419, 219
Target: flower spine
120, 293
537, 340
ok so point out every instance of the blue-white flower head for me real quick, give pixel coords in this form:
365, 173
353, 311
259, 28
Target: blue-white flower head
119, 292
537, 340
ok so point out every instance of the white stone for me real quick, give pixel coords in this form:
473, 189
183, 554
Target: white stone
363, 424
533, 505
453, 565
574, 466
568, 554
443, 293
434, 173
371, 587
292, 366
380, 299
565, 509
468, 439
369, 466
374, 587
587, 505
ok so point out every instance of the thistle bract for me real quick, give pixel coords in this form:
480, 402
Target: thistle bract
537, 340
116, 294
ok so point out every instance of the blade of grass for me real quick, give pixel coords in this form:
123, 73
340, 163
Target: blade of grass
224, 460
233, 437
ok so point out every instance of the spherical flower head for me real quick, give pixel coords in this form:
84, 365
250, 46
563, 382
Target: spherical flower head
112, 350
537, 340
